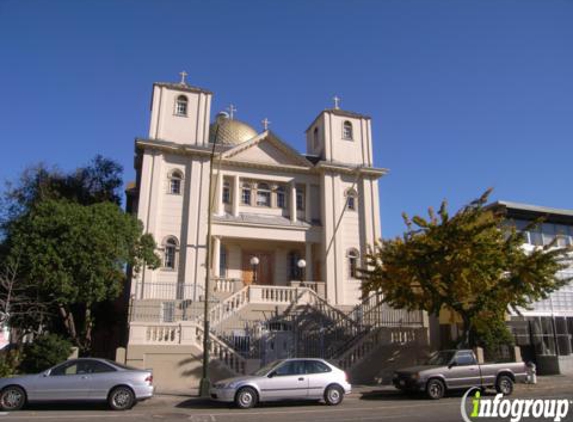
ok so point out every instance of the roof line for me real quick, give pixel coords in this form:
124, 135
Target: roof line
533, 208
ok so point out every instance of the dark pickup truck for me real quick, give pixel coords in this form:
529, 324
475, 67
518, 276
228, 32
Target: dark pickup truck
459, 369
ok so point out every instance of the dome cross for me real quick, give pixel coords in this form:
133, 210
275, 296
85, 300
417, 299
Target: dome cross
232, 109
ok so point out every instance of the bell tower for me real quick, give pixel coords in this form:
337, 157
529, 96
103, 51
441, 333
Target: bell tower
180, 113
340, 136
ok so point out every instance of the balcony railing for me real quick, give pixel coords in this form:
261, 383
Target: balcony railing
167, 291
181, 291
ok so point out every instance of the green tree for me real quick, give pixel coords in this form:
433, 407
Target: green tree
77, 255
98, 181
468, 263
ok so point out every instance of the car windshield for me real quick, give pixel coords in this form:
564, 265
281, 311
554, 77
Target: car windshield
266, 369
441, 358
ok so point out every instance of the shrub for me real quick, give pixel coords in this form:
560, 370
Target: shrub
9, 361
45, 351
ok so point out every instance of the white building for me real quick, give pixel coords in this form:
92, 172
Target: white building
307, 218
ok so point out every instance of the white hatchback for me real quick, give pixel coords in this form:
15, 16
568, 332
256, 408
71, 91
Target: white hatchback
286, 379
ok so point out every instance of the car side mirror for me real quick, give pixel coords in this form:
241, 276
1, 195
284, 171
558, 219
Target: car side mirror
46, 373
452, 364
272, 374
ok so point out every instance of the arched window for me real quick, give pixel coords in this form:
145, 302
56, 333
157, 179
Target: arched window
352, 256
226, 192
281, 197
170, 252
351, 200
246, 194
181, 106
293, 271
223, 262
347, 130
315, 138
263, 195
175, 178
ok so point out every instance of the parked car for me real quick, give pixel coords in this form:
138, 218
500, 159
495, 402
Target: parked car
459, 369
88, 379
286, 379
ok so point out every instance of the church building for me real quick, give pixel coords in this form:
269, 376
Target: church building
288, 231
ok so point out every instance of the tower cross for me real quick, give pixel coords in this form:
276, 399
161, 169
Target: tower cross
266, 122
232, 109
183, 76
336, 102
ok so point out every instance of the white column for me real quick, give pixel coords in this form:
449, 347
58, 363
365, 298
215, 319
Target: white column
292, 203
308, 259
219, 195
156, 194
307, 204
216, 256
236, 195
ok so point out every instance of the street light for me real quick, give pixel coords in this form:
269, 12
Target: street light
254, 263
302, 265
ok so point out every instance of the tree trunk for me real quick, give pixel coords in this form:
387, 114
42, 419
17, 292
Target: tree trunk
70, 324
88, 327
467, 339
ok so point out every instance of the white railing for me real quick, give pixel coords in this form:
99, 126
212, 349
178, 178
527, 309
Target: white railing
273, 294
181, 291
222, 351
226, 285
227, 307
163, 334
166, 291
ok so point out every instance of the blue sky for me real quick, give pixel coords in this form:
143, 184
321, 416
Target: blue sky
464, 95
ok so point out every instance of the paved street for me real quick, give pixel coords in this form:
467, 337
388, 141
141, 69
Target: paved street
365, 404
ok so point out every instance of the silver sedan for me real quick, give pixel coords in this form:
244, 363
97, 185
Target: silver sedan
89, 379
287, 379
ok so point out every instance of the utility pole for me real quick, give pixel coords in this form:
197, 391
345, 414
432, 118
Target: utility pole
205, 384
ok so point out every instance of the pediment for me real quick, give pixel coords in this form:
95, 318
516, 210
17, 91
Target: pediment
268, 150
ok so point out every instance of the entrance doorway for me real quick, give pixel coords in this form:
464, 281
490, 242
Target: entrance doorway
261, 273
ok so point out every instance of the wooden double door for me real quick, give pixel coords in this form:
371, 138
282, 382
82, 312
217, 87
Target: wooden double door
264, 271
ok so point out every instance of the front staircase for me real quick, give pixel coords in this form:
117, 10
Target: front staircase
257, 323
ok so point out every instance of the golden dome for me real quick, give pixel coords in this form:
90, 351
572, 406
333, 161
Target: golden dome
230, 131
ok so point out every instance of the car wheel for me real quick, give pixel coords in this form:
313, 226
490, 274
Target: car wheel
121, 398
504, 385
333, 395
246, 398
435, 389
12, 398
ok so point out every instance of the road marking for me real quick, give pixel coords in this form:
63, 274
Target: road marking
249, 413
